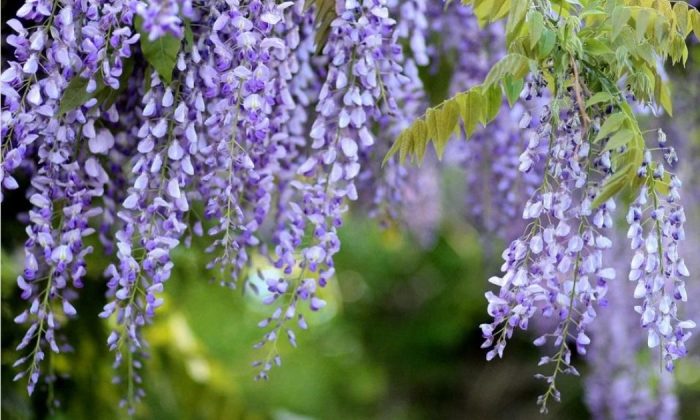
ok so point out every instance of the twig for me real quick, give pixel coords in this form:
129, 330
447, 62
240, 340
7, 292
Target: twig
579, 97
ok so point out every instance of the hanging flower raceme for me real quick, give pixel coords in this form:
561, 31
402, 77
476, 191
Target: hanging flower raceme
623, 379
362, 74
556, 267
247, 78
656, 229
62, 149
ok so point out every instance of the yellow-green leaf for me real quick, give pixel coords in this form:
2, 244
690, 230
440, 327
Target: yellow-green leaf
642, 23
611, 124
695, 21
446, 119
680, 9
490, 10
516, 17
516, 65
596, 47
441, 122
662, 186
431, 124
663, 95
420, 139
535, 24
405, 142
619, 139
620, 16
470, 104
614, 184
512, 87
600, 97
494, 100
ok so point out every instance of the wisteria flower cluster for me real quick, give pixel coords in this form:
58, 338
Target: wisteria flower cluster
583, 147
255, 123
130, 115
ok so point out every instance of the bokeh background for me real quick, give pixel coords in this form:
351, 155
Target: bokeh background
398, 340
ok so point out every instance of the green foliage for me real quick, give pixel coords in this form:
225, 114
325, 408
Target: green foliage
324, 15
479, 104
75, 95
107, 96
590, 45
160, 53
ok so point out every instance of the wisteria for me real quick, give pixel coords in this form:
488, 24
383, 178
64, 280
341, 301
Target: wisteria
657, 267
557, 266
255, 125
624, 380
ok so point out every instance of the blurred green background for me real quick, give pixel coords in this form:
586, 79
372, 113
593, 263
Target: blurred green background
399, 339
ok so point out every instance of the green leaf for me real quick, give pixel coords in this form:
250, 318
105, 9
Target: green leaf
75, 95
546, 44
614, 184
323, 18
611, 124
108, 96
189, 36
512, 87
663, 95
619, 139
516, 65
160, 53
535, 23
620, 16
600, 97
470, 105
516, 17
493, 104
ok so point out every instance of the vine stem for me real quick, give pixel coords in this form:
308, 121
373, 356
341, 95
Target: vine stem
586, 120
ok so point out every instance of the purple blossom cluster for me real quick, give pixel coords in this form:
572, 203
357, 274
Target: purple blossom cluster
626, 376
362, 78
269, 138
162, 17
624, 381
655, 230
556, 267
